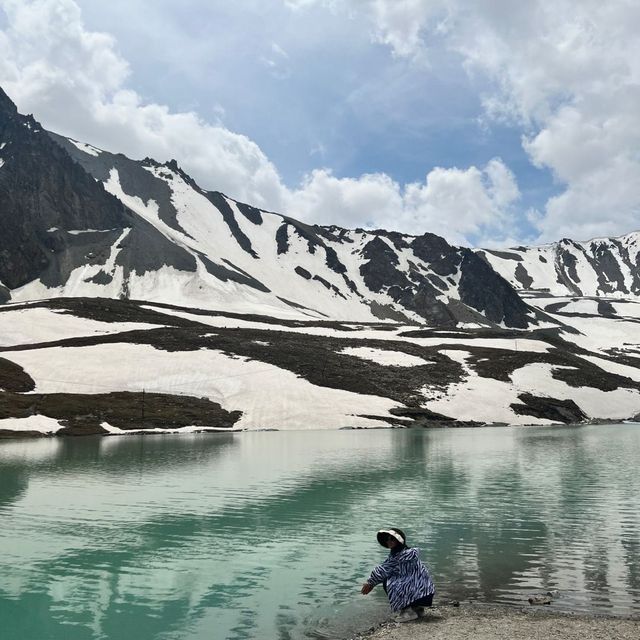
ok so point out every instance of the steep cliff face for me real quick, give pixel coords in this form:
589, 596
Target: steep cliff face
45, 197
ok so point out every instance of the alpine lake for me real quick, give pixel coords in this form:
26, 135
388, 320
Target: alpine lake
269, 535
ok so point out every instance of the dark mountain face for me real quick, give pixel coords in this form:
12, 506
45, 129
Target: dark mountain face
484, 290
44, 193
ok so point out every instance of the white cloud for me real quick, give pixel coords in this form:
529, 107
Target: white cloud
400, 24
567, 72
276, 62
571, 72
456, 203
74, 80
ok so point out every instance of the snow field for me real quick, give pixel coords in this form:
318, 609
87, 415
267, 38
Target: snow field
511, 344
614, 367
489, 400
478, 399
202, 220
587, 277
387, 358
274, 398
617, 404
598, 334
623, 307
77, 285
544, 273
268, 396
34, 325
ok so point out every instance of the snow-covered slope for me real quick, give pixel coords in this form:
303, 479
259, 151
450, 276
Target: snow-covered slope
599, 267
247, 260
118, 366
84, 222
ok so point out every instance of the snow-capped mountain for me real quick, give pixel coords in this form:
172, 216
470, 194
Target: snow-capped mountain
104, 225
598, 267
135, 299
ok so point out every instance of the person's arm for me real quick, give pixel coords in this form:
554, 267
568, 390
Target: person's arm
380, 573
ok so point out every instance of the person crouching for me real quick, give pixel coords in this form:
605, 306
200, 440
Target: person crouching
404, 577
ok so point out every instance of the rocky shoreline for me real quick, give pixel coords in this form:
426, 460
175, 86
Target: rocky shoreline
472, 621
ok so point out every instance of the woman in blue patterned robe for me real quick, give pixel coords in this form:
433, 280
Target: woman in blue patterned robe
404, 577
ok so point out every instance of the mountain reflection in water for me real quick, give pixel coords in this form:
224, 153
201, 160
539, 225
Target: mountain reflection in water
268, 535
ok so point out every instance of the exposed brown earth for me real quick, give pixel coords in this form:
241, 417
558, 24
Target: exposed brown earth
82, 414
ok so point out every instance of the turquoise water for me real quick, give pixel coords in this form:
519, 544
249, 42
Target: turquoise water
269, 535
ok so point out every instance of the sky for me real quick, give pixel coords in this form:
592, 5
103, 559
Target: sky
491, 123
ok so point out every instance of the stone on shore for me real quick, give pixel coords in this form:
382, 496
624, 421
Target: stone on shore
490, 622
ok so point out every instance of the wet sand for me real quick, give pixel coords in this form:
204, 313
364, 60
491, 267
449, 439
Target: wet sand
489, 622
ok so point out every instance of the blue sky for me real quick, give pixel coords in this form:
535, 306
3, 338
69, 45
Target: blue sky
420, 115
333, 98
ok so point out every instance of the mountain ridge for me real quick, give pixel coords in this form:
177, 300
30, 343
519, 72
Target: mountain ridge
124, 277
596, 267
172, 238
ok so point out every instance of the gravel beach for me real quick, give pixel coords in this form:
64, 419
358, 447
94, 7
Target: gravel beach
488, 622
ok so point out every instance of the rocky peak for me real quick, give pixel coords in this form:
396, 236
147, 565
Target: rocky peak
6, 105
43, 193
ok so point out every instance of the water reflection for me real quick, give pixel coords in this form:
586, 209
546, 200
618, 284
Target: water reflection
267, 535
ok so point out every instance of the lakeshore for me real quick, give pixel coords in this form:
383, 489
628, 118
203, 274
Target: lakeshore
493, 622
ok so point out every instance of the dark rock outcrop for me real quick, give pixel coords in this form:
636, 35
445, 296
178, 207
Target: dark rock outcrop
437, 252
484, 290
566, 411
43, 189
380, 271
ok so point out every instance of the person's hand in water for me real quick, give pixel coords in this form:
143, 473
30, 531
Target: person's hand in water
366, 588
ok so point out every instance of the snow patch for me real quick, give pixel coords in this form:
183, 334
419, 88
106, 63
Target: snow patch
87, 148
269, 397
385, 357
117, 431
40, 423
581, 305
76, 232
457, 355
34, 325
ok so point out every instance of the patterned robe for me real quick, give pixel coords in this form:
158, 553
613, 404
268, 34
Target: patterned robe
405, 577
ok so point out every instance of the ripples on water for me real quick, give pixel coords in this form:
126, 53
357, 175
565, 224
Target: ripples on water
269, 535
